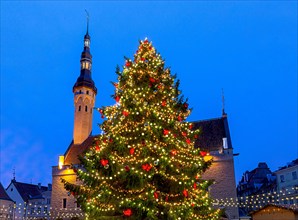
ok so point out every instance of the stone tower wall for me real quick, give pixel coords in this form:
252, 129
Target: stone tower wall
84, 102
59, 193
222, 172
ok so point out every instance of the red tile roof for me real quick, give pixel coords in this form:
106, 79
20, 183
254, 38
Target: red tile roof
71, 154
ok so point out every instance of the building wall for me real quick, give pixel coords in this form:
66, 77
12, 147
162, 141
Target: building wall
40, 208
59, 193
274, 213
6, 209
222, 171
287, 186
13, 193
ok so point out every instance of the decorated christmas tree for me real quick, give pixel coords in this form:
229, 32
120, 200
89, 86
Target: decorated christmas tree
144, 164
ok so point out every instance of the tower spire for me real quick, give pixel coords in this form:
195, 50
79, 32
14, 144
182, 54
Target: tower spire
84, 94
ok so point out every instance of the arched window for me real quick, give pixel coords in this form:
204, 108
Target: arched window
86, 108
79, 108
87, 92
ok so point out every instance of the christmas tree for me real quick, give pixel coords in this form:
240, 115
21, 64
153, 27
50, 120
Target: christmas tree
144, 165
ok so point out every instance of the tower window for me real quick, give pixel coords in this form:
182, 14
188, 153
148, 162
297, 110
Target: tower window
86, 108
86, 43
87, 92
79, 108
64, 203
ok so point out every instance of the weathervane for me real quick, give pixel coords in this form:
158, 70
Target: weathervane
87, 15
14, 173
223, 101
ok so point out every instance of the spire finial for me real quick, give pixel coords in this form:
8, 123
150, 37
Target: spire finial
87, 16
223, 102
14, 173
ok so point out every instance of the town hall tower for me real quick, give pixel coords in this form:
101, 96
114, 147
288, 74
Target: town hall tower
84, 96
63, 205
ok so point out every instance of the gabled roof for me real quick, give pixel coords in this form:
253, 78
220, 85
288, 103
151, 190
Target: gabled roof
3, 194
294, 209
72, 152
27, 191
212, 132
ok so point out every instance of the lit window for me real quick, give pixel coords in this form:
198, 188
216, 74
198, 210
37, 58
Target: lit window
86, 43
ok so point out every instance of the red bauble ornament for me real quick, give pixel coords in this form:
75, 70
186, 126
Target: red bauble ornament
195, 185
127, 168
185, 193
104, 162
127, 212
184, 133
188, 141
179, 118
155, 195
203, 153
116, 85
131, 151
117, 98
143, 59
147, 167
102, 116
128, 64
152, 80
190, 126
166, 132
125, 113
173, 152
164, 103
143, 142
146, 41
97, 148
192, 204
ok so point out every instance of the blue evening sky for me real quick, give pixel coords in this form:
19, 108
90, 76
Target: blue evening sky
248, 48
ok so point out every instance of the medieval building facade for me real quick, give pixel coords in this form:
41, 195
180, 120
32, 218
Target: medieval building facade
215, 139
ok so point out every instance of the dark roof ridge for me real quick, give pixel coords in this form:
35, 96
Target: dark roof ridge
30, 184
211, 119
